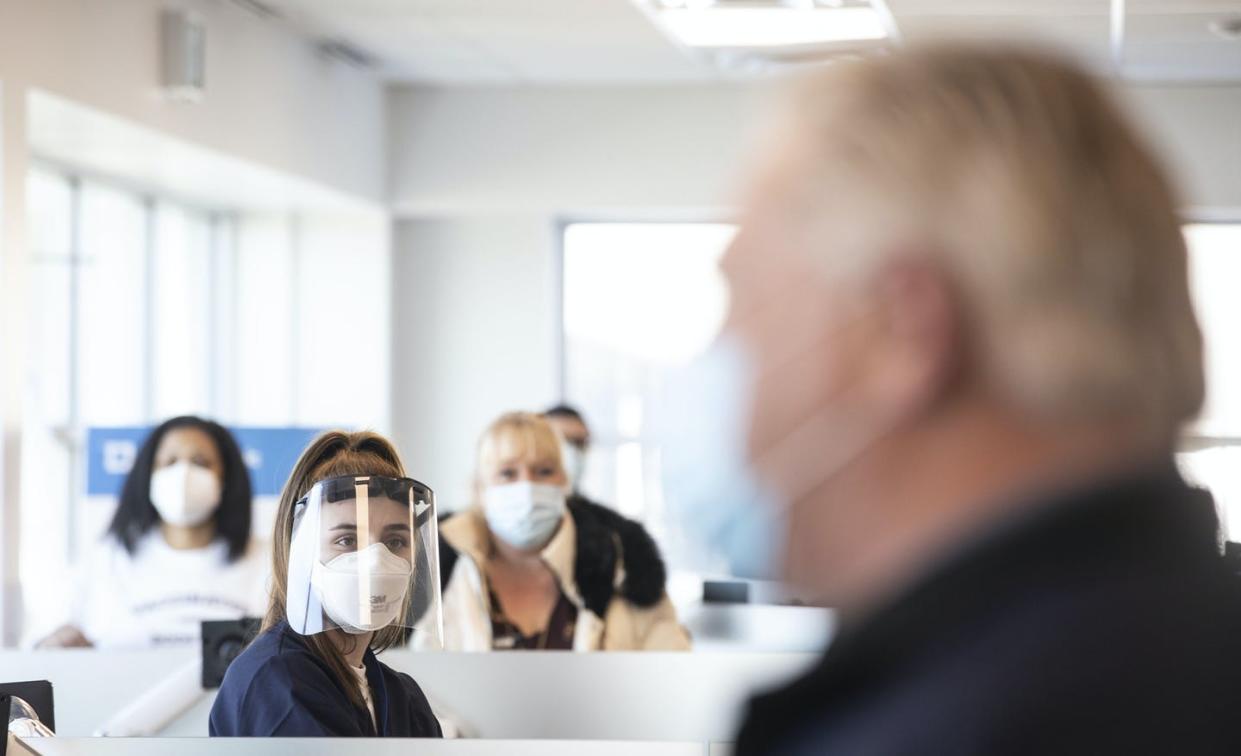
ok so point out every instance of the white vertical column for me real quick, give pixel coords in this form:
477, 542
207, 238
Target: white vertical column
150, 306
14, 276
223, 317
295, 321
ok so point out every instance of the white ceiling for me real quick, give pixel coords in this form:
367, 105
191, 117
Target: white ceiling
611, 41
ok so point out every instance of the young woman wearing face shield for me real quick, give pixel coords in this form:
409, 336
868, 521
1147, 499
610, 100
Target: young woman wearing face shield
178, 550
355, 571
529, 568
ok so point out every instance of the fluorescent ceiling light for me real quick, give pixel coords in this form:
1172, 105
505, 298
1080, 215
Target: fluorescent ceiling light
771, 27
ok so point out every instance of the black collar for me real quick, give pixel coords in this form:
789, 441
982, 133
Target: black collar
374, 677
1152, 520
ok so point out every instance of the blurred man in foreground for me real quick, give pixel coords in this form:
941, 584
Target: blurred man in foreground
960, 286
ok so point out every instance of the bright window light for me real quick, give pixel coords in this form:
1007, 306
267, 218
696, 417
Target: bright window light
1214, 269
640, 299
651, 292
771, 27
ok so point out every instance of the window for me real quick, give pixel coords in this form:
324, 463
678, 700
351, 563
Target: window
182, 291
1212, 452
639, 300
120, 335
642, 297
47, 465
143, 306
109, 269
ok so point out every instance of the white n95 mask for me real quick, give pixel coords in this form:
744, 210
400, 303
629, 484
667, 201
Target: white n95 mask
185, 494
364, 555
362, 591
524, 515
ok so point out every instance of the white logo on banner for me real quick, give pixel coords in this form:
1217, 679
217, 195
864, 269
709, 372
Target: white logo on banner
118, 456
253, 458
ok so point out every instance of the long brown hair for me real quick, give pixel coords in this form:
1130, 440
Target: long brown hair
331, 454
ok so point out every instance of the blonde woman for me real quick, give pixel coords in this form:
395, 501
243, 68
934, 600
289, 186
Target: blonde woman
528, 567
354, 572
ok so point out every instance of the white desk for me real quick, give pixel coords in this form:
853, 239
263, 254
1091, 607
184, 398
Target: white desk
334, 747
518, 695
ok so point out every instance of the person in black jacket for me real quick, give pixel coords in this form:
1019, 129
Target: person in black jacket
574, 442
960, 304
351, 577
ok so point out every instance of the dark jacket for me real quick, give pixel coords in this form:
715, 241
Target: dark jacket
280, 687
1104, 623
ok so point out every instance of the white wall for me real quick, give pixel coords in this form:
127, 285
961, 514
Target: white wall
271, 98
474, 316
1198, 130
481, 177
14, 256
281, 126
556, 150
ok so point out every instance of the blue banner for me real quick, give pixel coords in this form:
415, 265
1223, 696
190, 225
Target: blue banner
269, 453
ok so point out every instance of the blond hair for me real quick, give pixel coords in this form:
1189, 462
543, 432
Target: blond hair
517, 435
1025, 181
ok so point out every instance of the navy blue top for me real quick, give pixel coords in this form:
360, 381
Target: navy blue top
1105, 622
280, 687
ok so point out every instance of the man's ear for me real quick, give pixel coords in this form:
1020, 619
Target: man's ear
921, 331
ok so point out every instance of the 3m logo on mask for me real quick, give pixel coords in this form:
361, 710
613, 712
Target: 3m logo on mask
358, 584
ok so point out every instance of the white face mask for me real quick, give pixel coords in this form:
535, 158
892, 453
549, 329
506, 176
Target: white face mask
574, 460
524, 515
362, 591
185, 494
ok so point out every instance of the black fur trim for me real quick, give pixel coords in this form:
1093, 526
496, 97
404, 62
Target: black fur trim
599, 530
448, 560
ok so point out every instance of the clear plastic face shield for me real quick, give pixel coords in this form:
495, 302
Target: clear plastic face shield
364, 556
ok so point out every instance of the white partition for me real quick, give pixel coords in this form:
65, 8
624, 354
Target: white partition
334, 747
90, 686
606, 696
515, 695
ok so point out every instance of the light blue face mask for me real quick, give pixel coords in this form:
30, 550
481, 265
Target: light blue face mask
712, 494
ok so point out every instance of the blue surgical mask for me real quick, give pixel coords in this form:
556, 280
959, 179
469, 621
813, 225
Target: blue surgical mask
712, 493
523, 514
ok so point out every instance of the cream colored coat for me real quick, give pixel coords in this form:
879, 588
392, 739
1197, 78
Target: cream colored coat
467, 618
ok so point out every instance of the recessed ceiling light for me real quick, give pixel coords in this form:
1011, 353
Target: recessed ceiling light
745, 26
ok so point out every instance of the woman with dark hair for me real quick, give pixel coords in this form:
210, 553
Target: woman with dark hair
178, 550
